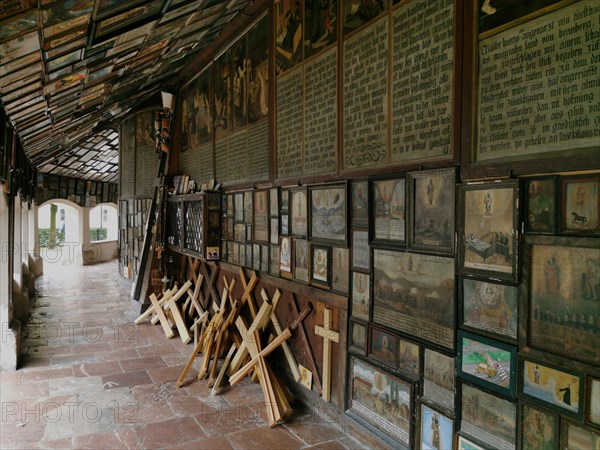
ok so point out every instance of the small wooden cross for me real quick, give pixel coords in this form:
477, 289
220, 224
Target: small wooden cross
328, 336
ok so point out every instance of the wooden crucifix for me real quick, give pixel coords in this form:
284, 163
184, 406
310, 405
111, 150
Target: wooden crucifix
328, 336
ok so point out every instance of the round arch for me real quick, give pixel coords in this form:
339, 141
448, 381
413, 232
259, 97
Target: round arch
104, 216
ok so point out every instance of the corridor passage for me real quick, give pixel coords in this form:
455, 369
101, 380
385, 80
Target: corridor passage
92, 379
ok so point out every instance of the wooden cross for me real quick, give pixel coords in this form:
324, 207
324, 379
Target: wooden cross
248, 288
328, 336
209, 278
160, 301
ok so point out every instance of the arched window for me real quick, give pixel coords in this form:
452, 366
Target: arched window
103, 223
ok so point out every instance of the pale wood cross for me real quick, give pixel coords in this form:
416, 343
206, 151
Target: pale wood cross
328, 336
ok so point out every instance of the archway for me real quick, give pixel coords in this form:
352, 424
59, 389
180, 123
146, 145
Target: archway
104, 223
64, 246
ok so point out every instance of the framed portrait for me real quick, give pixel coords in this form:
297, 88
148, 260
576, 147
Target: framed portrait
383, 346
554, 387
230, 205
389, 221
540, 211
488, 363
488, 231
250, 256
592, 416
248, 206
360, 203
358, 337
489, 307
298, 212
285, 224
256, 257
328, 214
285, 254
409, 359
274, 261
301, 260
261, 216
285, 200
580, 205
431, 206
361, 298
340, 274
575, 436
229, 227
239, 206
561, 280
360, 250
274, 202
382, 400
321, 266
436, 429
466, 444
414, 293
239, 232
539, 428
264, 258
438, 380
241, 260
490, 419
274, 230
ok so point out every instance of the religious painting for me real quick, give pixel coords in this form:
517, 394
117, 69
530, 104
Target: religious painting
196, 112
256, 70
285, 200
261, 216
488, 363
105, 8
361, 299
274, 261
564, 293
360, 203
581, 202
539, 428
466, 444
488, 235
321, 267
248, 206
340, 275
390, 210
489, 419
127, 19
239, 232
274, 231
223, 90
144, 130
358, 337
264, 258
288, 34
298, 212
489, 307
328, 213
301, 259
239, 206
554, 387
382, 400
359, 12
249, 256
593, 405
248, 233
231, 207
256, 257
436, 430
414, 294
574, 436
285, 224
320, 25
409, 359
500, 13
360, 250
274, 202
285, 254
438, 380
540, 205
383, 347
241, 260
432, 211
240, 82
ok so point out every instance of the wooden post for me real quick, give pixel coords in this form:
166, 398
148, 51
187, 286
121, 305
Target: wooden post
328, 336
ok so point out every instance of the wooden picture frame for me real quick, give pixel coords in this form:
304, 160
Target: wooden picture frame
462, 443
390, 414
274, 202
431, 207
357, 337
539, 428
239, 232
301, 260
239, 206
409, 359
592, 412
361, 256
286, 254
356, 14
554, 387
360, 203
388, 197
231, 206
557, 274
488, 307
580, 205
436, 430
285, 200
256, 258
274, 230
248, 207
540, 211
487, 363
320, 25
427, 312
274, 266
249, 256
490, 419
241, 255
264, 258
439, 380
340, 269
299, 212
361, 297
285, 224
320, 274
383, 346
576, 436
503, 15
488, 229
329, 213
261, 216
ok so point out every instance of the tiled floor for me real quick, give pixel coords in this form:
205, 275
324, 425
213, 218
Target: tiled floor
92, 379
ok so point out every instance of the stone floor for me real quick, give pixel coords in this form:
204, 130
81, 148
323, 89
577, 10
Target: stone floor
92, 379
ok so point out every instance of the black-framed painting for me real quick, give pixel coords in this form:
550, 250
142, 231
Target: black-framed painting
431, 207
414, 293
358, 337
239, 206
285, 200
539, 428
575, 436
298, 212
489, 307
196, 112
248, 207
487, 363
382, 400
436, 429
360, 203
285, 254
106, 27
439, 380
328, 214
256, 258
340, 273
580, 205
488, 418
464, 443
361, 298
361, 256
540, 205
274, 230
556, 388
261, 216
409, 359
560, 277
488, 233
274, 202
389, 220
383, 346
301, 260
320, 261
